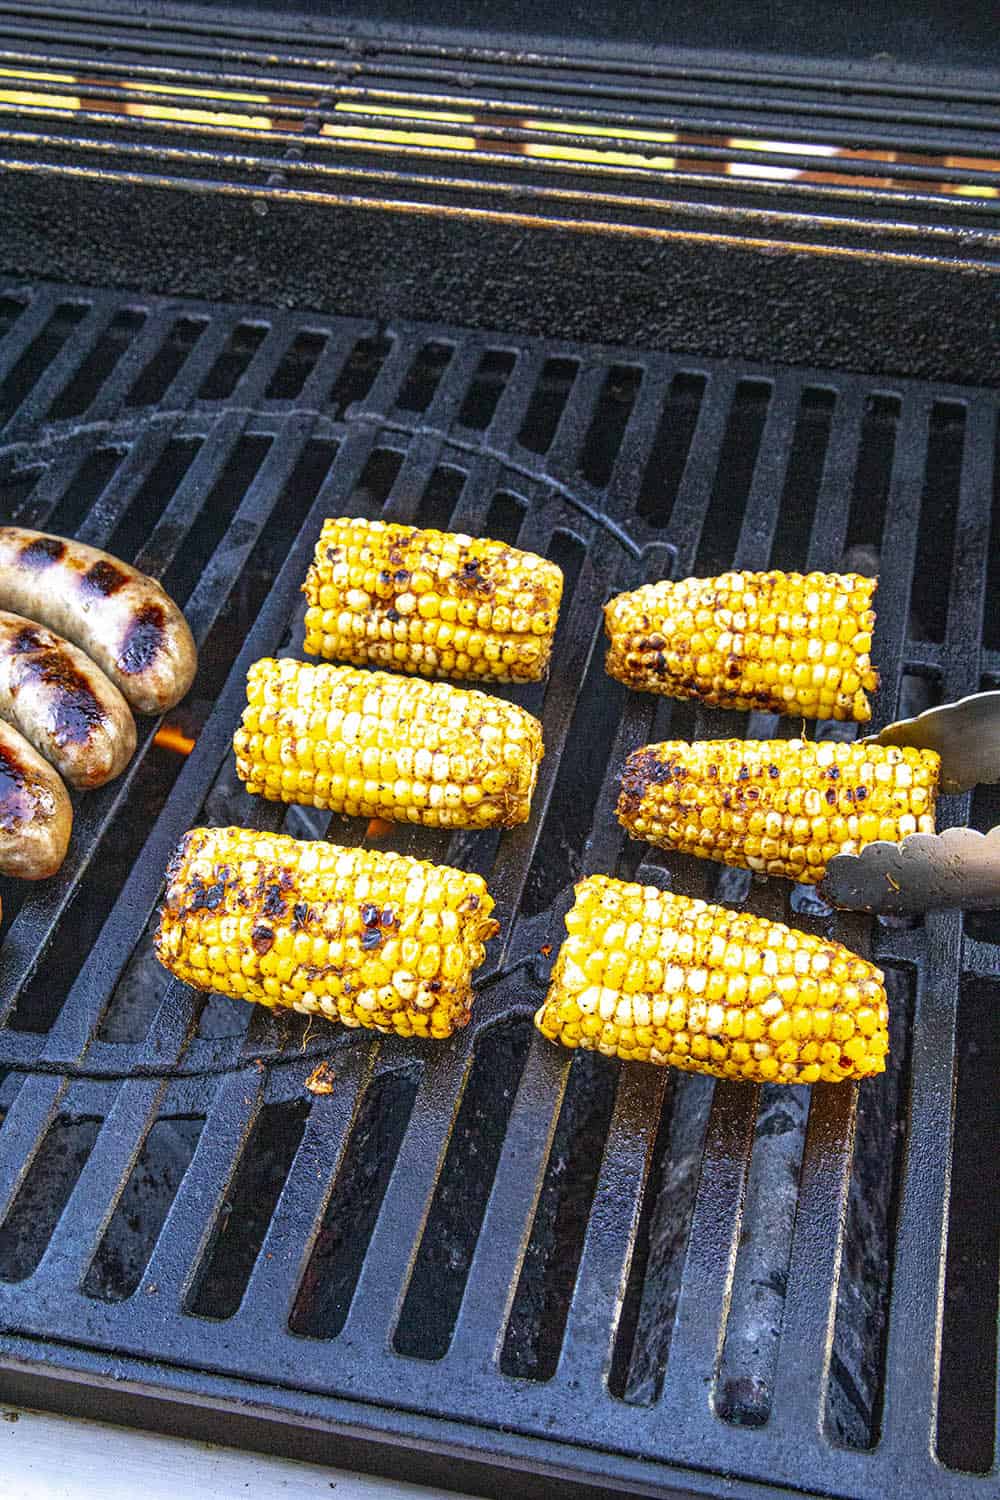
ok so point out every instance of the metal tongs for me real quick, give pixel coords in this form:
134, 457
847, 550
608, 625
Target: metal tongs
928, 871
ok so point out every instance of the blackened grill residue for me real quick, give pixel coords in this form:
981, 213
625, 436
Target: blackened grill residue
42, 552
103, 579
75, 710
17, 804
144, 640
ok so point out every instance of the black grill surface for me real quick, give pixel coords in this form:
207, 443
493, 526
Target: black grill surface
617, 1275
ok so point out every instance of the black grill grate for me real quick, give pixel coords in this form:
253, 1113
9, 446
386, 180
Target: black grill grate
618, 1315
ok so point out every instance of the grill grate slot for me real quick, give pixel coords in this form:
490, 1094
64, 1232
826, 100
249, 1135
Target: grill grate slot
328, 1284
486, 387
541, 1304
43, 1195
449, 1239
967, 1410
296, 366
39, 355
938, 511
166, 364
123, 1254
424, 377
233, 363
548, 400
239, 1230
83, 389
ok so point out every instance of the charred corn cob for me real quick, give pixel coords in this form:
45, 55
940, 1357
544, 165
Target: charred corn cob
430, 602
366, 938
786, 643
651, 977
374, 745
784, 807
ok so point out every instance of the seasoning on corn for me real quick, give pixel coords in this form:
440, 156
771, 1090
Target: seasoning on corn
430, 602
359, 936
783, 807
652, 977
374, 745
786, 643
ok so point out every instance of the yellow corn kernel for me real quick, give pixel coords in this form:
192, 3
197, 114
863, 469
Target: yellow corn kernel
776, 1028
690, 796
733, 641
426, 752
282, 922
382, 594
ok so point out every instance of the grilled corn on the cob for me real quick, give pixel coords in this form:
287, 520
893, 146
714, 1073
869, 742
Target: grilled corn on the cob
430, 602
366, 938
784, 807
786, 643
373, 745
652, 977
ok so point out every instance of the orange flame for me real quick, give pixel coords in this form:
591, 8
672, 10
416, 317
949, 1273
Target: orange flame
169, 737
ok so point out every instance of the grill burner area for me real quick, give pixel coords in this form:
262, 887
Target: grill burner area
619, 1275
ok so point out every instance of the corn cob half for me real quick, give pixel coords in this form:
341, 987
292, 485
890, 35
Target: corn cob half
362, 937
431, 602
785, 643
652, 977
370, 744
783, 807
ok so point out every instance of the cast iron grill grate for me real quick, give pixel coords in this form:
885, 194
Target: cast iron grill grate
633, 1276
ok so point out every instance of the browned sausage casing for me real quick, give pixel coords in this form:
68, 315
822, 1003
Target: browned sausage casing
60, 701
36, 815
121, 618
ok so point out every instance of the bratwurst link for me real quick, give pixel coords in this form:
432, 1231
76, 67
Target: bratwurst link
63, 704
36, 816
121, 618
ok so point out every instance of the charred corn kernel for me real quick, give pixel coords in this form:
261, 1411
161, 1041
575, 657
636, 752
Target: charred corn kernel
479, 754
732, 641
773, 1026
430, 602
314, 927
705, 797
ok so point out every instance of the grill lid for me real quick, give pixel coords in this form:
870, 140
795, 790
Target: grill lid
627, 1276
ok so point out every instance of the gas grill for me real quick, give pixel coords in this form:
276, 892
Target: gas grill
490, 1263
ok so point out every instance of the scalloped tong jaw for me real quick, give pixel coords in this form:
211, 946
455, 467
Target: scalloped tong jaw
929, 871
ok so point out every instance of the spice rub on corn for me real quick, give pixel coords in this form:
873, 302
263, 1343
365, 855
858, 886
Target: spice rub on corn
787, 643
436, 603
651, 977
374, 745
362, 937
781, 807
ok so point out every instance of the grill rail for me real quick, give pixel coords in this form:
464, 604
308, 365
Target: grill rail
222, 496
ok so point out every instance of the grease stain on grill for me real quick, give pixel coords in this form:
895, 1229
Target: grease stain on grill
449, 1240
141, 1211
328, 1283
534, 1336
245, 1213
44, 1193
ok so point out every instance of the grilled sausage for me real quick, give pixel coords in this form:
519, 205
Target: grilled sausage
36, 815
121, 618
63, 704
